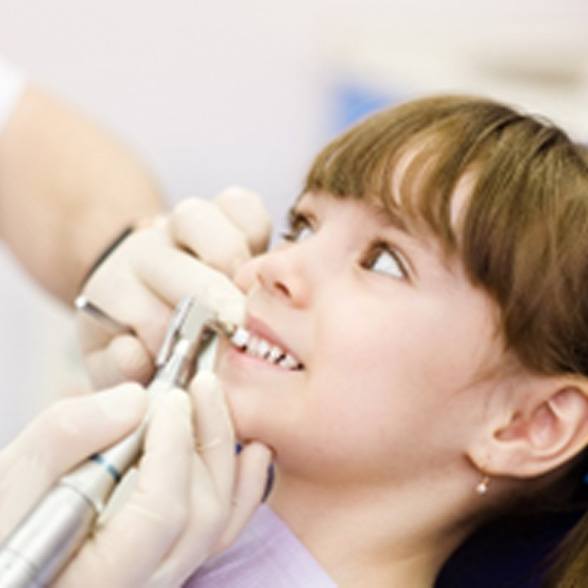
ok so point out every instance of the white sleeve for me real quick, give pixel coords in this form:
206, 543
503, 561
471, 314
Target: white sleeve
12, 84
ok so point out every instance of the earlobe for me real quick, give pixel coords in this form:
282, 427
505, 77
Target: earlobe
540, 437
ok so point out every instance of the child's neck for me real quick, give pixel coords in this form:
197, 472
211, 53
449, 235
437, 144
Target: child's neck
366, 536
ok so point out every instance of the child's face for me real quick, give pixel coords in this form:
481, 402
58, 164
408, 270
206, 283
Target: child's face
392, 340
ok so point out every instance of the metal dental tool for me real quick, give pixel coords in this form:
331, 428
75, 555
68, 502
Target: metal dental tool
56, 527
84, 305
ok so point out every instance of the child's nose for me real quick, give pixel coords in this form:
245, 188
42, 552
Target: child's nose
283, 273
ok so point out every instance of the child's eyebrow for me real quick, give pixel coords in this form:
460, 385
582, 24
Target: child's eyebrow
395, 220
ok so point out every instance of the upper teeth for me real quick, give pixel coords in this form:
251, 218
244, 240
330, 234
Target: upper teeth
258, 347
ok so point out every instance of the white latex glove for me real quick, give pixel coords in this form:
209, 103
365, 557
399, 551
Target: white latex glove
62, 436
192, 252
188, 500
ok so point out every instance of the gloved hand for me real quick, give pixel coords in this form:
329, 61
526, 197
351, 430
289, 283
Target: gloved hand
59, 438
192, 252
188, 501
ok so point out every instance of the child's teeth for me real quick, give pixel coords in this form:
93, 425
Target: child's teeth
275, 354
240, 337
257, 347
253, 346
263, 349
288, 362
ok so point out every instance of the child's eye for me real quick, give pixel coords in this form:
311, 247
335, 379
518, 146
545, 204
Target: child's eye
298, 228
383, 260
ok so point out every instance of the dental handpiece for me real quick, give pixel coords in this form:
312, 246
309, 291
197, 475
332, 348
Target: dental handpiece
57, 526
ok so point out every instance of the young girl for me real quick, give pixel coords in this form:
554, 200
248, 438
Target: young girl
416, 350
415, 354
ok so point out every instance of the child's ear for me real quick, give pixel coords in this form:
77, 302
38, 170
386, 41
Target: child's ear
544, 433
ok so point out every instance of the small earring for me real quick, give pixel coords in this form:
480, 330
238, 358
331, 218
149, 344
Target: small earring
482, 487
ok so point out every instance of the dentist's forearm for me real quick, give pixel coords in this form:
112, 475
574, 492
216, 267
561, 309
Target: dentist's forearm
67, 187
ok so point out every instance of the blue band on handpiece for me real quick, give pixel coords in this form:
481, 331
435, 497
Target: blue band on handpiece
99, 458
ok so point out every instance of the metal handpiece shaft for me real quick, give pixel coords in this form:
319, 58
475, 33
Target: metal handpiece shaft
38, 549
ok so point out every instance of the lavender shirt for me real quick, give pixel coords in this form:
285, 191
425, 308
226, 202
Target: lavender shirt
266, 555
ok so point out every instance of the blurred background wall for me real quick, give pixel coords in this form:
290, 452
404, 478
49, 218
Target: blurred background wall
225, 92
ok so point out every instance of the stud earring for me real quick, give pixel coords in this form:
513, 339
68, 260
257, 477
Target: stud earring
482, 487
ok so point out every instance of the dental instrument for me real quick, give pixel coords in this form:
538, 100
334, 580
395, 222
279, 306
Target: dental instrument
56, 527
83, 304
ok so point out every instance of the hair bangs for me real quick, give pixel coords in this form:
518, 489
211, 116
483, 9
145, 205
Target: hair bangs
522, 230
407, 161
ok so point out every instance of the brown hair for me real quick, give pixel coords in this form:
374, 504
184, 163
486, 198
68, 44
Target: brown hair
523, 233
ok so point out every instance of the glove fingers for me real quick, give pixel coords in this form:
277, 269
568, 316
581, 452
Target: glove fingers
246, 211
61, 437
253, 465
214, 432
201, 227
139, 309
213, 472
205, 522
74, 428
175, 274
148, 525
123, 359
